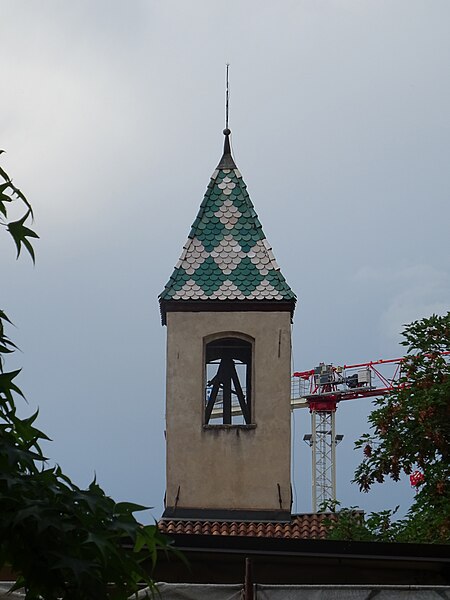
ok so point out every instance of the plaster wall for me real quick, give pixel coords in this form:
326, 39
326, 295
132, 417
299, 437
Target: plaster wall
228, 467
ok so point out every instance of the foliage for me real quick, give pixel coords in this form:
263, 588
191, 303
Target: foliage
411, 435
64, 542
10, 194
352, 524
344, 523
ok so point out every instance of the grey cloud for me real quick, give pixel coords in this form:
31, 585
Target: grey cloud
112, 117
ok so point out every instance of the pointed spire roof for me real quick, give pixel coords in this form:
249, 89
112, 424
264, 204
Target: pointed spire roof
226, 162
226, 257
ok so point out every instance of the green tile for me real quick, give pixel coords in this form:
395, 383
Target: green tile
209, 230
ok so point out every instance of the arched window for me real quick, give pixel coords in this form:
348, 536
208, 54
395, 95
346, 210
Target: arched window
228, 365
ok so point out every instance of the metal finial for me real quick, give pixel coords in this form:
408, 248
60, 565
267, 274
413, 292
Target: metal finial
227, 100
227, 162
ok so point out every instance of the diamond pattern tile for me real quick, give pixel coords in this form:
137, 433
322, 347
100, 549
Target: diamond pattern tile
227, 256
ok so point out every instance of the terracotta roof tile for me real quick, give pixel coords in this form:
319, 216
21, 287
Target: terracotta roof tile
198, 527
303, 526
234, 529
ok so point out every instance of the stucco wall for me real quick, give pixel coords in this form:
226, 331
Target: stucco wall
228, 467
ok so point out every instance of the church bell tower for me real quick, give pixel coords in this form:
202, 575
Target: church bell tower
228, 311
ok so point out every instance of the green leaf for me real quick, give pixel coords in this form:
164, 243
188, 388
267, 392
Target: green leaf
4, 198
19, 584
7, 386
21, 195
3, 187
76, 565
4, 174
103, 545
122, 508
20, 233
4, 317
5, 350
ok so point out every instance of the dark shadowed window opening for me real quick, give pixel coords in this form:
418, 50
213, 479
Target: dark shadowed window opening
228, 382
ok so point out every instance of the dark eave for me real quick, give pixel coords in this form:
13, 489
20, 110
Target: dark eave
225, 306
221, 559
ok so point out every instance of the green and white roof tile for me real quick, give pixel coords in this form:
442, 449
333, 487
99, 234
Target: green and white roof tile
227, 256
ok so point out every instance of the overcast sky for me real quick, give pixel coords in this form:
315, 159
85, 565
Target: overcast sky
112, 115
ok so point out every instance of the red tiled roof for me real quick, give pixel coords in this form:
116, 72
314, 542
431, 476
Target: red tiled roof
304, 527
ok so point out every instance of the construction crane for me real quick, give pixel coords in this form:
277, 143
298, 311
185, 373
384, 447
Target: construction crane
321, 389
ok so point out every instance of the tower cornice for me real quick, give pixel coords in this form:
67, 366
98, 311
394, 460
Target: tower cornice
226, 306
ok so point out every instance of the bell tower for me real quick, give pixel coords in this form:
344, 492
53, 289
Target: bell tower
228, 311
